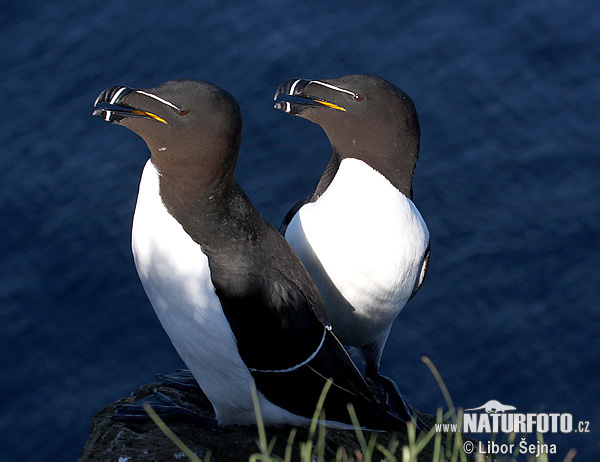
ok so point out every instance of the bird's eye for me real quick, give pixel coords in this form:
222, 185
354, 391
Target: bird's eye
359, 97
184, 113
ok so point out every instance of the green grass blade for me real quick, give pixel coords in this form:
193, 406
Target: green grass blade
371, 445
440, 382
317, 413
424, 439
543, 457
289, 445
321, 439
405, 454
262, 435
359, 434
169, 433
389, 457
438, 437
307, 447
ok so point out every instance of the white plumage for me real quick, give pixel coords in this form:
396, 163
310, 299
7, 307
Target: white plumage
371, 242
175, 274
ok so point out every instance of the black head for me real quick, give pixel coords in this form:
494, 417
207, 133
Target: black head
193, 128
364, 117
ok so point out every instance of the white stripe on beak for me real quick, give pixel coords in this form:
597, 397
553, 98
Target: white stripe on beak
116, 95
157, 98
333, 87
294, 86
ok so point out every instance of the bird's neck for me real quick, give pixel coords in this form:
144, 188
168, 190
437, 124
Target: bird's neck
208, 213
397, 167
328, 175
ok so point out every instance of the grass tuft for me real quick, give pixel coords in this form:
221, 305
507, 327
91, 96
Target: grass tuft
314, 451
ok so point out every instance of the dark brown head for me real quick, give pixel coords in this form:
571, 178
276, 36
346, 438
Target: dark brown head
364, 117
193, 128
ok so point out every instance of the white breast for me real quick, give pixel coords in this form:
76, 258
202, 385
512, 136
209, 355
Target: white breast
176, 277
363, 242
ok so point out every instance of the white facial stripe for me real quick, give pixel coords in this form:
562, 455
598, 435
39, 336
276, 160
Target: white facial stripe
294, 86
288, 107
107, 115
117, 94
303, 363
333, 87
164, 101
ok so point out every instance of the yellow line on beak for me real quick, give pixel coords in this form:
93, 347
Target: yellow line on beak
149, 114
331, 105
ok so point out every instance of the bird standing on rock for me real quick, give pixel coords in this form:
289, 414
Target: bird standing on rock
359, 234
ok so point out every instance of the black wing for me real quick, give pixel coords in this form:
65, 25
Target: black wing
288, 217
423, 272
280, 324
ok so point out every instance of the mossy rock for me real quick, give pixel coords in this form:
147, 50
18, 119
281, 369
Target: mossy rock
112, 440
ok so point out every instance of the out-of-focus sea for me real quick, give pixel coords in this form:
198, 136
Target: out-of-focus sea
508, 181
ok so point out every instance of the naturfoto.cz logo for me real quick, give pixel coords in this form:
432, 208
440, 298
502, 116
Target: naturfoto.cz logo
495, 417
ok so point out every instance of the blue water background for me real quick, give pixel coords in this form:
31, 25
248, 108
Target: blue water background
508, 95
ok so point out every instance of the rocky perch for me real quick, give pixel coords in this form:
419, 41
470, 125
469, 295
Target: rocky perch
117, 441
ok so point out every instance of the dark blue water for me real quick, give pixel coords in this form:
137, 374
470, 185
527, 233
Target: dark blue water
508, 182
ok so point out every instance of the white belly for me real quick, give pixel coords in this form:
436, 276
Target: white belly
363, 242
176, 277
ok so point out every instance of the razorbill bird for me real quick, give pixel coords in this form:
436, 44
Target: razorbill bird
230, 292
359, 234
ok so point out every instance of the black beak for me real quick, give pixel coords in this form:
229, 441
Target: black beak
291, 87
115, 109
112, 96
298, 88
